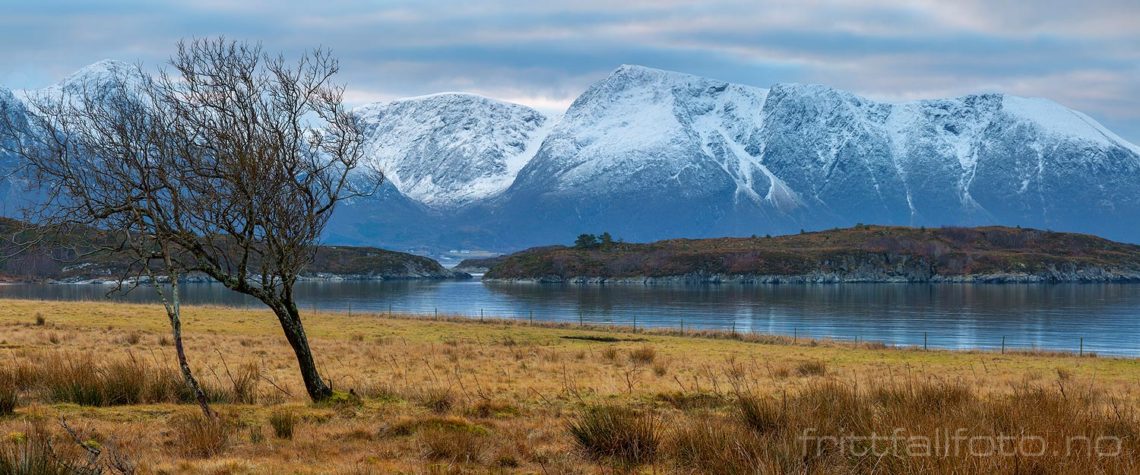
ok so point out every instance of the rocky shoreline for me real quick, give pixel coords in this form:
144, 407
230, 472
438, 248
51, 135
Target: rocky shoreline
317, 277
1059, 277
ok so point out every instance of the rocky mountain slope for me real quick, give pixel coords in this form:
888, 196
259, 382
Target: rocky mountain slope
450, 149
860, 254
648, 154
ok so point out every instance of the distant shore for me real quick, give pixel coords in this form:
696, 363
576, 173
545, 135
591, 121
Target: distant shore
1104, 277
862, 254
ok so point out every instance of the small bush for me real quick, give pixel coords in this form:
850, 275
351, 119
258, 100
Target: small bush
200, 436
618, 434
40, 320
610, 354
644, 355
283, 421
811, 368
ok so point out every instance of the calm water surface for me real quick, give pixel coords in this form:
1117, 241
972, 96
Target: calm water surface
1054, 317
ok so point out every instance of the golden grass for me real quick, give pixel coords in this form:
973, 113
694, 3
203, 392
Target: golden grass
450, 395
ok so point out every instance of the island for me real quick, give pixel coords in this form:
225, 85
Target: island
864, 253
70, 259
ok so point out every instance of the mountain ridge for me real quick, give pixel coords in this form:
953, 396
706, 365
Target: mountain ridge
648, 154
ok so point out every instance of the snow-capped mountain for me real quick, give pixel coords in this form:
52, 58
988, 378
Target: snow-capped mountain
12, 111
95, 81
450, 149
648, 154
652, 153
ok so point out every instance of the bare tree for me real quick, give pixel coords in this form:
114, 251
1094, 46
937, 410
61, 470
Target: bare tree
94, 153
232, 163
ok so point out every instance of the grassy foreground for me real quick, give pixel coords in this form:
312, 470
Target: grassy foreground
455, 396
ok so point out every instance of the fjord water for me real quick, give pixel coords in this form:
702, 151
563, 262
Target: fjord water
959, 316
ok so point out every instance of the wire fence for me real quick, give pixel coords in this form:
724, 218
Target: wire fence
1013, 343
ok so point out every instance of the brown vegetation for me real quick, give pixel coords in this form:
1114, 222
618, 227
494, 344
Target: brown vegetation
422, 395
891, 250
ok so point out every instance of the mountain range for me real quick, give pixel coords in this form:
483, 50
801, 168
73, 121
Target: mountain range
647, 154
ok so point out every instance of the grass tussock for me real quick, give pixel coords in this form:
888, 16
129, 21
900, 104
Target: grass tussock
32, 453
65, 377
455, 446
617, 434
691, 401
828, 424
811, 368
452, 396
492, 409
448, 424
284, 423
200, 436
643, 355
714, 445
9, 395
437, 400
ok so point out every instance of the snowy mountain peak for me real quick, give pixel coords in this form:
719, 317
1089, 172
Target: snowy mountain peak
648, 154
100, 78
449, 149
102, 72
1058, 120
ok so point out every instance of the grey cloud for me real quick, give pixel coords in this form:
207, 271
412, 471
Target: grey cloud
1083, 54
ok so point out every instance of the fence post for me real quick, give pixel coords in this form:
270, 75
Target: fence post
1082, 353
1003, 345
389, 310
795, 335
635, 323
532, 317
682, 327
924, 340
734, 328
480, 315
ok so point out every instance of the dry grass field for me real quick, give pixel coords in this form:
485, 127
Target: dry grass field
419, 395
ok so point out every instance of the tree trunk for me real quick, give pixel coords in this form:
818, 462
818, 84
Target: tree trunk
290, 319
184, 366
174, 313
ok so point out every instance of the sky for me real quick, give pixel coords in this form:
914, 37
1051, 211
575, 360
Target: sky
1085, 55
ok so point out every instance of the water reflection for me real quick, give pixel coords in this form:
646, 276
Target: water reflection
951, 316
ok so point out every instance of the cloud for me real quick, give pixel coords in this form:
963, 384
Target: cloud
1082, 54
